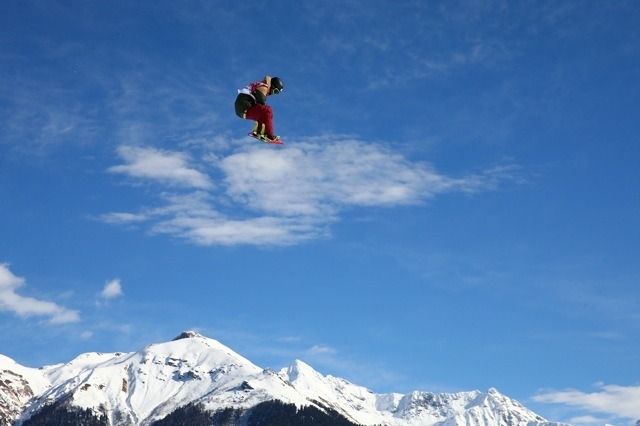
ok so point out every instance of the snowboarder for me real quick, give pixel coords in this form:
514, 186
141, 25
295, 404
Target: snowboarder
251, 105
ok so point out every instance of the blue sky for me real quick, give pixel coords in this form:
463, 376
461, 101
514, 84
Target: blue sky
455, 208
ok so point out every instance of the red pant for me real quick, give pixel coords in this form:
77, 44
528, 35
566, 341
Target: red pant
264, 116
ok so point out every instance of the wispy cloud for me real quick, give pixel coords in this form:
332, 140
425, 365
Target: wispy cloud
316, 350
328, 358
285, 196
168, 167
619, 401
86, 335
28, 306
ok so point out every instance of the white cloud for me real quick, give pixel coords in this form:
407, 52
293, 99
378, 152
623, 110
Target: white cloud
284, 196
86, 335
194, 217
289, 339
123, 218
620, 401
256, 231
28, 306
588, 420
112, 289
164, 166
318, 179
316, 350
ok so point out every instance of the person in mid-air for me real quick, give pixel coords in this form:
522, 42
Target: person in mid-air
251, 105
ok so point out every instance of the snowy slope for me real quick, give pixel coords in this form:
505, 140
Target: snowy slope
141, 387
18, 385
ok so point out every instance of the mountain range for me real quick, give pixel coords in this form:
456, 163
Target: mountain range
194, 380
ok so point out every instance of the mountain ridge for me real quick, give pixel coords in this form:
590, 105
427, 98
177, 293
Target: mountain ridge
160, 380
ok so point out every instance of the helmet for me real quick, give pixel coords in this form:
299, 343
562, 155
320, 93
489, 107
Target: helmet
276, 86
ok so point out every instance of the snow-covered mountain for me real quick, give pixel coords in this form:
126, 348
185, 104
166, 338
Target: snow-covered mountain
195, 376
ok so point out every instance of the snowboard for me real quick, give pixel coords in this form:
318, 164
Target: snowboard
275, 142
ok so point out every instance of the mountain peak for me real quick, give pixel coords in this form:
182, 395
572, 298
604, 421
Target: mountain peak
301, 366
190, 334
298, 369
